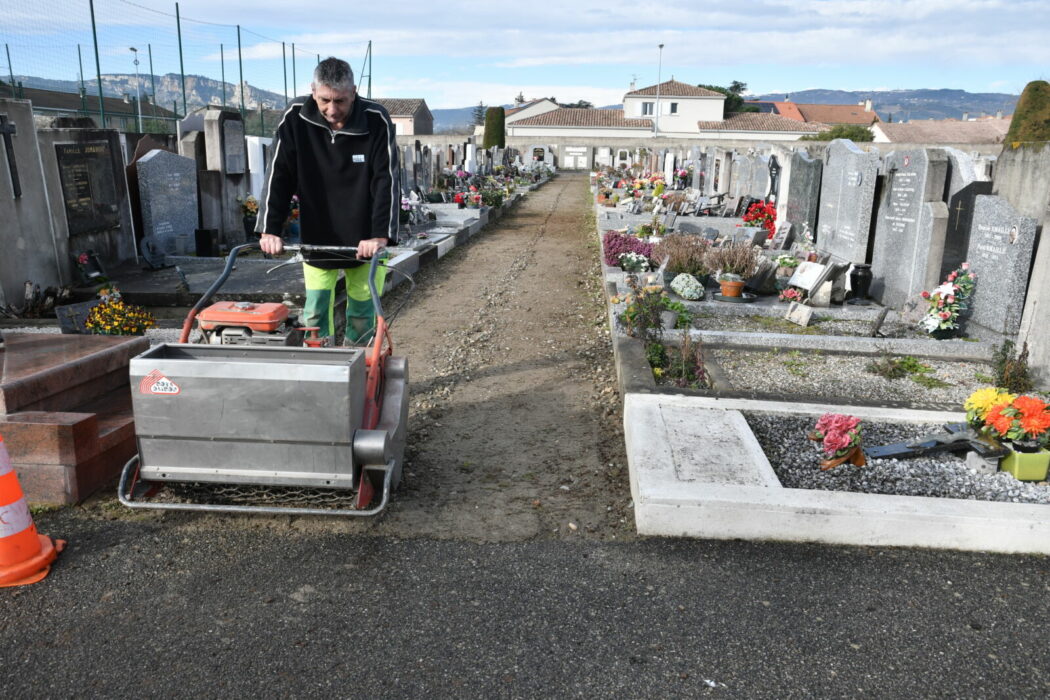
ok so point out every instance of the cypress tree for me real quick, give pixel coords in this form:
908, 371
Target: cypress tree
494, 132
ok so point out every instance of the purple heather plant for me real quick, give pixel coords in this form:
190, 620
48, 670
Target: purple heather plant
616, 244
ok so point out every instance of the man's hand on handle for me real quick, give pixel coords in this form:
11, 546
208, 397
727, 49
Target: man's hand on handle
271, 244
366, 249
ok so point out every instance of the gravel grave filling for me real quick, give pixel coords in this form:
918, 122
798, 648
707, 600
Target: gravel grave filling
795, 459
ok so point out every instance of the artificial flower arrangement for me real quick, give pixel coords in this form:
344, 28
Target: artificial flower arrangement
633, 262
786, 261
249, 205
114, 317
947, 301
687, 287
839, 436
792, 294
763, 215
1022, 420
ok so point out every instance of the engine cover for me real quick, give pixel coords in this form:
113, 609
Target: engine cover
260, 318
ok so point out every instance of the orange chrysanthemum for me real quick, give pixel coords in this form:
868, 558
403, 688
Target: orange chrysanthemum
1029, 406
999, 421
1035, 425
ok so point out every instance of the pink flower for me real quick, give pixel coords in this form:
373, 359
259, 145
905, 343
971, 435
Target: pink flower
952, 276
82, 258
944, 315
965, 266
925, 295
951, 298
835, 441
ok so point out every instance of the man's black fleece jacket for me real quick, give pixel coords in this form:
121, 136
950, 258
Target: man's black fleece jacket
348, 180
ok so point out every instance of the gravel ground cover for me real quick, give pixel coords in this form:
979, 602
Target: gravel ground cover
795, 459
820, 325
813, 373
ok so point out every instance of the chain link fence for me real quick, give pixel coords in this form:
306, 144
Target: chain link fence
141, 66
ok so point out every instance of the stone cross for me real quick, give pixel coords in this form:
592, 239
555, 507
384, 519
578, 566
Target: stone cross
7, 130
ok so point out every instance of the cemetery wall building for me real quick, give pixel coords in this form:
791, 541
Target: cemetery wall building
943, 131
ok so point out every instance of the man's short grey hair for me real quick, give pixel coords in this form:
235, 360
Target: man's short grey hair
334, 73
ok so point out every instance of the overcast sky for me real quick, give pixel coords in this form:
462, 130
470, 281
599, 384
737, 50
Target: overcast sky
455, 54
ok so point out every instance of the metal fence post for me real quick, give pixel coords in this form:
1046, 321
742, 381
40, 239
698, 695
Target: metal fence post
98, 65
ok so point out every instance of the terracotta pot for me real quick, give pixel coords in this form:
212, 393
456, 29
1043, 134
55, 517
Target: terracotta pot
855, 457
732, 289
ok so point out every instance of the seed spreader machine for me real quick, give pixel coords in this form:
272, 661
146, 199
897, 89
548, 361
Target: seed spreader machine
262, 404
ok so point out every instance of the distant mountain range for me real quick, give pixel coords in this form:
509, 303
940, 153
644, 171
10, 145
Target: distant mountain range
904, 105
900, 105
199, 90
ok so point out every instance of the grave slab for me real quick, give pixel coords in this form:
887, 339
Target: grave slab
65, 411
665, 505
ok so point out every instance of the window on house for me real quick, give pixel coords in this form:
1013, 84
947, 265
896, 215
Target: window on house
647, 108
673, 109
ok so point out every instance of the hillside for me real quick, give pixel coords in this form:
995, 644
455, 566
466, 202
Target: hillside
199, 90
908, 104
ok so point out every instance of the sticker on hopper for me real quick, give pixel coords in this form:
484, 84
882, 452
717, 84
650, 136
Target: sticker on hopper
157, 384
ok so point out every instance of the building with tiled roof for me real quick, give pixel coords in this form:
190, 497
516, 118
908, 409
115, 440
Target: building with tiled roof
120, 115
411, 116
676, 109
571, 121
850, 115
674, 88
757, 125
528, 109
943, 131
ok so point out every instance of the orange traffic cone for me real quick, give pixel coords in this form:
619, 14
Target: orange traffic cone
25, 556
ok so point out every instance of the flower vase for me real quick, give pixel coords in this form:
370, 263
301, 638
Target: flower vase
860, 278
1026, 466
249, 227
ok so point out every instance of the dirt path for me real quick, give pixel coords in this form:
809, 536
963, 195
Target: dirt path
515, 427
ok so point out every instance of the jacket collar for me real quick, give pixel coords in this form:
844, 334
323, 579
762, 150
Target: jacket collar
356, 122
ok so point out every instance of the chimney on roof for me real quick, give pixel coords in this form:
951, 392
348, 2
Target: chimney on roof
966, 116
787, 98
999, 114
631, 89
867, 105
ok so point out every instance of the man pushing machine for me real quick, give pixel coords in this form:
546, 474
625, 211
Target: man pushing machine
338, 152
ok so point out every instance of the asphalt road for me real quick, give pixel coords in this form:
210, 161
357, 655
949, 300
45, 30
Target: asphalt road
186, 605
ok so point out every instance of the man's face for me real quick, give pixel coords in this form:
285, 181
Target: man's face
334, 104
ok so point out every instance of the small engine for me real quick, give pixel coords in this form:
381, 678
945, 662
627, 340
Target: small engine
245, 323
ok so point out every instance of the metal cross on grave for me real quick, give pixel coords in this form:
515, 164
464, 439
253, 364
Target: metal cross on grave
959, 209
7, 130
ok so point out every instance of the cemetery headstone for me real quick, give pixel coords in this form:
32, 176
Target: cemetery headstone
910, 226
24, 211
964, 184
801, 190
1000, 254
168, 195
783, 238
799, 314
760, 183
847, 194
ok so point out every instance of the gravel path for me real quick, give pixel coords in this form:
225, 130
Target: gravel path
795, 459
813, 373
773, 324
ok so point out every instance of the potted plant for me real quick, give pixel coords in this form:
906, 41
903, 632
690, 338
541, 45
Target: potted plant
1019, 423
684, 254
734, 263
839, 438
948, 302
762, 215
115, 317
249, 214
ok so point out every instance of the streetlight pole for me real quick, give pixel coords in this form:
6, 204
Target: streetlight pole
138, 86
659, 71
